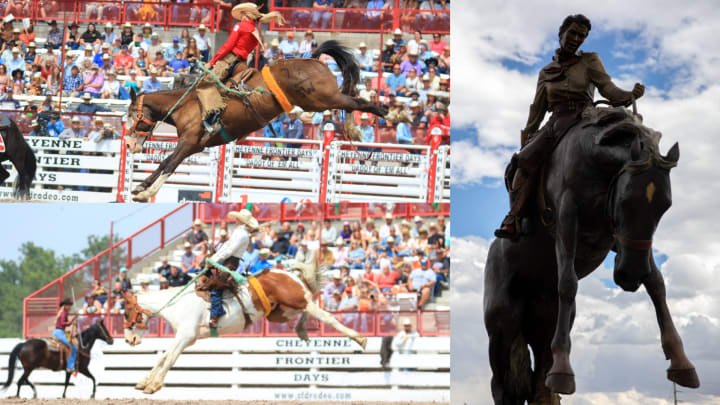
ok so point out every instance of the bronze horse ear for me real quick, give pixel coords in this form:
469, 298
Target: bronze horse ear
673, 154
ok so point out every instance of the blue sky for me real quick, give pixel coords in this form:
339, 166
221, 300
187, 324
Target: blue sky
64, 228
498, 48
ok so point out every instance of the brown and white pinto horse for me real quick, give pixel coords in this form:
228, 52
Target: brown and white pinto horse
304, 82
289, 294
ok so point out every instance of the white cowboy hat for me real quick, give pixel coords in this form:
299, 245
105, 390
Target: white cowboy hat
86, 96
197, 222
187, 245
388, 216
364, 116
296, 110
153, 70
147, 25
245, 217
274, 42
264, 252
223, 232
397, 31
108, 25
417, 219
362, 45
202, 27
406, 321
390, 239
249, 10
389, 42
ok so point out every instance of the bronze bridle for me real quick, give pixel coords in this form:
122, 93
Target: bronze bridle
134, 314
631, 168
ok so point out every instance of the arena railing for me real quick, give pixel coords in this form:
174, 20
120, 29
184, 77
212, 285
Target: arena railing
370, 323
217, 17
212, 213
104, 267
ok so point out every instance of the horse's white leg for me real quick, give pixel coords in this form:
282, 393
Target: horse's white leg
182, 340
145, 195
144, 382
328, 319
300, 327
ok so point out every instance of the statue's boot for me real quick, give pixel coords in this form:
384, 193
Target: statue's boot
522, 188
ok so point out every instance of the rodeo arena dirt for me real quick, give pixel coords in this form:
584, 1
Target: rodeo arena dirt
81, 110
374, 335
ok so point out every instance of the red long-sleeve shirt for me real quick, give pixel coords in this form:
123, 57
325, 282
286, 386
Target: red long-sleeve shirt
241, 42
62, 320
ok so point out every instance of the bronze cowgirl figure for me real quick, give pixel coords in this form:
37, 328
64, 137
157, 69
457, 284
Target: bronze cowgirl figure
565, 87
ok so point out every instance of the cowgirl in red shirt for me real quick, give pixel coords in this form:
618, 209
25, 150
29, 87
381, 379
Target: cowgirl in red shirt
243, 39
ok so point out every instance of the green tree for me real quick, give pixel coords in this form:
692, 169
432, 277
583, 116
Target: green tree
37, 267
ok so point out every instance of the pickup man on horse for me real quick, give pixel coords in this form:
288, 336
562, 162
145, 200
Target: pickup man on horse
243, 40
229, 256
565, 87
61, 323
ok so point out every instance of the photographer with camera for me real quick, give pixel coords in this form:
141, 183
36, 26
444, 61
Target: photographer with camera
37, 129
102, 132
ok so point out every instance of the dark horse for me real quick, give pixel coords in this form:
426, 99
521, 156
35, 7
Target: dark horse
22, 157
606, 187
306, 83
34, 353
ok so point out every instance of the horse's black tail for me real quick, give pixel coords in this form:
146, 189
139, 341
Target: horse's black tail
11, 365
26, 177
345, 60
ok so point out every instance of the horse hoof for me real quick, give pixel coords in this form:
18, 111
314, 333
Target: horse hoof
142, 197
362, 341
139, 189
140, 386
561, 383
685, 377
303, 336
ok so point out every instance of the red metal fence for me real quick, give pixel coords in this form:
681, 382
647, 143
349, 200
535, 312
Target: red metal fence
376, 323
215, 17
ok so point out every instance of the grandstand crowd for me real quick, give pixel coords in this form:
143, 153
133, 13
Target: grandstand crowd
104, 62
367, 267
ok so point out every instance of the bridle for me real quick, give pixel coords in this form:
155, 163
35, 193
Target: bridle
632, 167
141, 117
134, 314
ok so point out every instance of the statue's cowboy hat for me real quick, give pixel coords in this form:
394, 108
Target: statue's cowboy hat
245, 217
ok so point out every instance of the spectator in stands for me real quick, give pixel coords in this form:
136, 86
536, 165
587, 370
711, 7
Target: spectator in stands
422, 281
289, 46
444, 60
100, 58
118, 299
91, 306
386, 279
109, 36
132, 83
204, 45
16, 41
199, 260
141, 63
375, 18
197, 236
178, 64
136, 45
346, 232
35, 86
280, 244
75, 131
249, 258
412, 62
172, 50
30, 55
398, 39
91, 36
86, 106
152, 84
110, 87
159, 63
5, 80
28, 34
93, 83
16, 62
333, 303
305, 45
177, 278
356, 255
262, 262
221, 241
387, 55
328, 234
55, 126
321, 12
335, 284
419, 119
368, 132
187, 258
155, 45
123, 61
294, 128
126, 35
272, 53
404, 341
365, 59
99, 292
395, 82
191, 53
146, 32
163, 283
124, 281
36, 129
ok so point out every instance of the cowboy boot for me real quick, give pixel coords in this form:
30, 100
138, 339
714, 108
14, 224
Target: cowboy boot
210, 122
521, 190
213, 323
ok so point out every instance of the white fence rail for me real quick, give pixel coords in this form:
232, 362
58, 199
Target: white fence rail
260, 369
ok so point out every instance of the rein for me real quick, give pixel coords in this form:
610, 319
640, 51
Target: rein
152, 124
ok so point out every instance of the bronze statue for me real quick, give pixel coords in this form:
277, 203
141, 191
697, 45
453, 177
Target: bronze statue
565, 87
604, 185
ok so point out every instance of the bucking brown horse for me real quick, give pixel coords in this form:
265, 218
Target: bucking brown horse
304, 82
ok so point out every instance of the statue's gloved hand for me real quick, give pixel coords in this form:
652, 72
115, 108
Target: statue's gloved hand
638, 90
